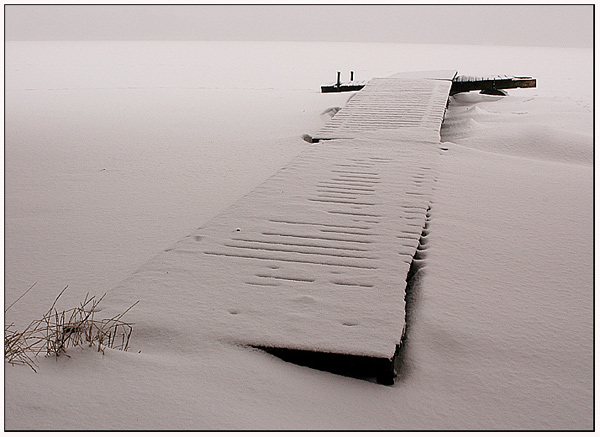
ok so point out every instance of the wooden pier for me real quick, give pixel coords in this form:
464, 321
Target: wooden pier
314, 262
460, 84
405, 107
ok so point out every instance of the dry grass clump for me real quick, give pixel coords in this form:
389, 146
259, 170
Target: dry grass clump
56, 331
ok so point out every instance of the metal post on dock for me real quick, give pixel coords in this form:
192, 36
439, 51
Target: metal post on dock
339, 82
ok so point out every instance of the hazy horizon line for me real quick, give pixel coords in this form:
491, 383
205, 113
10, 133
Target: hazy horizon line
298, 41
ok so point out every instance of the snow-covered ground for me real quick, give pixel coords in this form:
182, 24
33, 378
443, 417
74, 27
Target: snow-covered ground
115, 150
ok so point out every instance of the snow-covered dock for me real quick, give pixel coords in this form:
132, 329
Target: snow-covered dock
489, 84
317, 257
406, 106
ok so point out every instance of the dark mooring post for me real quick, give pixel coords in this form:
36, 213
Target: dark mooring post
338, 82
351, 76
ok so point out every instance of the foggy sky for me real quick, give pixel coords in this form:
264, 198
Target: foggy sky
533, 25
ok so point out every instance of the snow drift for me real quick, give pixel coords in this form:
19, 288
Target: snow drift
116, 150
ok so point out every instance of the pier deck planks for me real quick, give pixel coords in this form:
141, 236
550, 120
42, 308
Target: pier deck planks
316, 258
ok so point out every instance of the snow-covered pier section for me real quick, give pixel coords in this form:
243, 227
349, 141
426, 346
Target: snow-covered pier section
412, 104
317, 257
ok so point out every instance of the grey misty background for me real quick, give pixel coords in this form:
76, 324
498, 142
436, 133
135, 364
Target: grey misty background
510, 25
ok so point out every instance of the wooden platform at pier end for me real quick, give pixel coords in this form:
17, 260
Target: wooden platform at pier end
317, 257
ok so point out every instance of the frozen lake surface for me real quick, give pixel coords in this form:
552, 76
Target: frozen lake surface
113, 151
